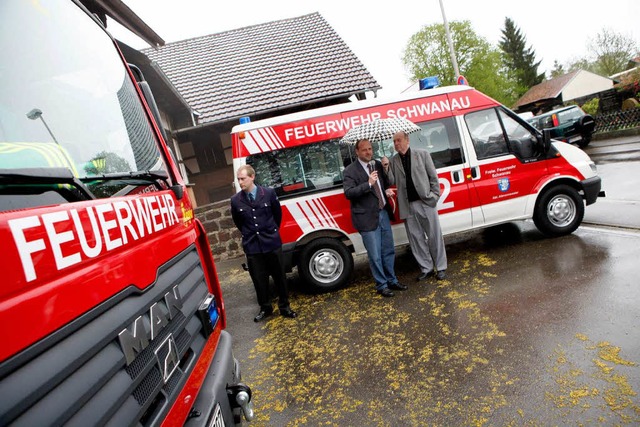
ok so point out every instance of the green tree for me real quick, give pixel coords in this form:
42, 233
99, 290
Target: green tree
520, 60
106, 162
427, 54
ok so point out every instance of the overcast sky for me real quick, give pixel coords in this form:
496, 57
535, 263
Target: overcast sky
555, 29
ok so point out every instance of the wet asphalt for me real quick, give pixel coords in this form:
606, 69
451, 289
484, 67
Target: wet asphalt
526, 330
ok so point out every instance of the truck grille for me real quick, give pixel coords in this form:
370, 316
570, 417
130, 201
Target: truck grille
83, 378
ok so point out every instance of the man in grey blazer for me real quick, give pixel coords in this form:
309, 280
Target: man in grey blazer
416, 179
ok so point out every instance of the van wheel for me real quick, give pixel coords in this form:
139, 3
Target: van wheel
559, 211
325, 265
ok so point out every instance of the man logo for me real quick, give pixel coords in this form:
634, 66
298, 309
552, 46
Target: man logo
504, 184
167, 355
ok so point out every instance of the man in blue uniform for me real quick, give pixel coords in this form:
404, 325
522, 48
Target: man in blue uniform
257, 213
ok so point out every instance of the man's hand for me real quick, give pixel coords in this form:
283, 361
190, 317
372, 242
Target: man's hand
373, 177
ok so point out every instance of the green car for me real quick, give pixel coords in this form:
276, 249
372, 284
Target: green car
569, 124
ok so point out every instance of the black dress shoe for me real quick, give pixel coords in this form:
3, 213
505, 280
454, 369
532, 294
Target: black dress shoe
262, 315
423, 276
398, 287
287, 312
385, 292
441, 275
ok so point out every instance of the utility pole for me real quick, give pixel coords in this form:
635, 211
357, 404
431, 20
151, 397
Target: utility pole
453, 53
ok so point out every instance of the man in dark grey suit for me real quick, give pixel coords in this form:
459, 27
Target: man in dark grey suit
416, 179
370, 213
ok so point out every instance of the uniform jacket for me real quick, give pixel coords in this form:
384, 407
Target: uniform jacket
364, 202
258, 221
424, 175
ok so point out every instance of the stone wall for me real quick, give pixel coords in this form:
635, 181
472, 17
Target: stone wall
224, 237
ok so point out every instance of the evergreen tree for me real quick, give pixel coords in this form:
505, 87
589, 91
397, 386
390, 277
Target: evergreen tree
519, 59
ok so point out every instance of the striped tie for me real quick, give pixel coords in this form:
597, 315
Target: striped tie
376, 187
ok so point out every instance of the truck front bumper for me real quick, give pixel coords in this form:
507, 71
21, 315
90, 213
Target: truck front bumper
222, 399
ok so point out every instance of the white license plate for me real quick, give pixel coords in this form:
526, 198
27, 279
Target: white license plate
217, 420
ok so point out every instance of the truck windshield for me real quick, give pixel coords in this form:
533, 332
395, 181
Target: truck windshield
67, 103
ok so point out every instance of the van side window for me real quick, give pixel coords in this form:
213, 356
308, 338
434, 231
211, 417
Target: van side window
521, 141
486, 133
496, 133
439, 137
302, 169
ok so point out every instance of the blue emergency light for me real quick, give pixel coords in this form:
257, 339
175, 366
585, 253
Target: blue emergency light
244, 120
429, 82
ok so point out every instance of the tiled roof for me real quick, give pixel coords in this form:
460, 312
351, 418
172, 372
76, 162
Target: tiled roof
262, 67
548, 89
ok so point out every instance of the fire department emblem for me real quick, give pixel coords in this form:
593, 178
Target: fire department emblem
504, 184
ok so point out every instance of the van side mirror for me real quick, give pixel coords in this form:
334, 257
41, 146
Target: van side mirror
546, 140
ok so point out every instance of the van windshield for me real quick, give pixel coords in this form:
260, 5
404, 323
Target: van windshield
67, 105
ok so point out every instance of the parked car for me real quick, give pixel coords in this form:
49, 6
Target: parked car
569, 124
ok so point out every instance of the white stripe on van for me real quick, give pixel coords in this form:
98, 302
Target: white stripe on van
250, 145
324, 212
299, 217
258, 138
275, 138
266, 138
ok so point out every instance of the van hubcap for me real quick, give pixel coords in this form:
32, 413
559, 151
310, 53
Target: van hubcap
561, 210
326, 266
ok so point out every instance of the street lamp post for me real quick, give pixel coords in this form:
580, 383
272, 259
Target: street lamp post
36, 113
451, 50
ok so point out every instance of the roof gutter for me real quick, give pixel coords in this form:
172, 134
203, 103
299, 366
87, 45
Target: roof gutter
229, 119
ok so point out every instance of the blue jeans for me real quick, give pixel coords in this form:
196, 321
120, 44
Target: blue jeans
381, 252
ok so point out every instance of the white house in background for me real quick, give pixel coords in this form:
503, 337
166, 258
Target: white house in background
562, 89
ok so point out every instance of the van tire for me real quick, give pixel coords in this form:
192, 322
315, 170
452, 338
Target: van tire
325, 265
559, 211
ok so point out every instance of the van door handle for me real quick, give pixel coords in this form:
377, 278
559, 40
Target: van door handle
457, 176
475, 173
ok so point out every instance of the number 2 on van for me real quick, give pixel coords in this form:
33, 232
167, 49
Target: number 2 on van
493, 168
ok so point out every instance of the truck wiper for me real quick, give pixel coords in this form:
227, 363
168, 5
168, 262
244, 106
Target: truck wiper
136, 177
133, 177
47, 176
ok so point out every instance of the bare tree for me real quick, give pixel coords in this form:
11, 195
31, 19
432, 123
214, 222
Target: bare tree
609, 53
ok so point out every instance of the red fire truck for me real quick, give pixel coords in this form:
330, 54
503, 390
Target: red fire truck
493, 167
111, 312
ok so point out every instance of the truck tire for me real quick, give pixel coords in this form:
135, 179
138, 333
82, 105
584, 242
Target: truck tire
559, 211
325, 265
